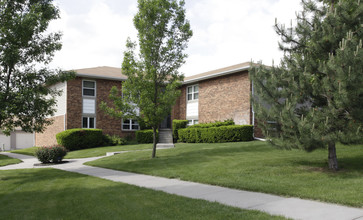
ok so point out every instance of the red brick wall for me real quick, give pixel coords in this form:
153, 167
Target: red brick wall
48, 136
179, 109
225, 97
74, 103
103, 121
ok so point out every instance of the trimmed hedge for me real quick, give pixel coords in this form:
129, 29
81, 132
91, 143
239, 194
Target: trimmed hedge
178, 124
213, 124
52, 154
232, 133
76, 139
145, 136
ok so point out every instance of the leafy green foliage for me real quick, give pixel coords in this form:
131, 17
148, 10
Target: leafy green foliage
145, 136
315, 96
231, 133
25, 49
178, 124
113, 140
76, 139
52, 154
153, 77
213, 124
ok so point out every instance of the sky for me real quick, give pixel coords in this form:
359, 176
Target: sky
225, 32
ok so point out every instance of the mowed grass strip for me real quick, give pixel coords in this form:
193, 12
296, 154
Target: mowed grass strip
55, 194
91, 152
5, 160
254, 166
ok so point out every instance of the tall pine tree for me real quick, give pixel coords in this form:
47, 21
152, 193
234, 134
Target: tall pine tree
314, 97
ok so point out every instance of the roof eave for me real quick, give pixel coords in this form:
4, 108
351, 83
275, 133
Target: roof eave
100, 77
215, 75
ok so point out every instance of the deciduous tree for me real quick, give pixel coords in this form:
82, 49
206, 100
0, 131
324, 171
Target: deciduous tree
24, 49
153, 75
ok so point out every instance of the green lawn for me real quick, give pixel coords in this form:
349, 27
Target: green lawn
55, 194
255, 166
5, 160
92, 152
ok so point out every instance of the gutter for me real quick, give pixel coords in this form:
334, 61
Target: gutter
215, 75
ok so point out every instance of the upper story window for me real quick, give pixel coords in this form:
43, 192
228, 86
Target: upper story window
89, 88
193, 92
130, 124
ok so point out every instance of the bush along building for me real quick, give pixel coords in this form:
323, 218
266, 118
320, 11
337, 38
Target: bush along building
218, 95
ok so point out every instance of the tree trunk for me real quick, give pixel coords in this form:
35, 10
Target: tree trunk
333, 161
154, 143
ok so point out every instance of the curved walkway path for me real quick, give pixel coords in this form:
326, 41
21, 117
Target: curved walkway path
276, 205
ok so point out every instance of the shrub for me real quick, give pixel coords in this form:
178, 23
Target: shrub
213, 124
52, 154
145, 136
75, 139
113, 140
178, 124
232, 133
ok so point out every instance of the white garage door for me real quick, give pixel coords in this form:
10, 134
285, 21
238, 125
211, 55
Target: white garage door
4, 142
17, 140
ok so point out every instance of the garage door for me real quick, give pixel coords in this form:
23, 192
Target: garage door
17, 140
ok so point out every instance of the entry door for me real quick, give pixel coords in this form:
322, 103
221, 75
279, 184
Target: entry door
166, 124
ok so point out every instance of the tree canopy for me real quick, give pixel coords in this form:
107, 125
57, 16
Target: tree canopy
25, 49
153, 75
314, 97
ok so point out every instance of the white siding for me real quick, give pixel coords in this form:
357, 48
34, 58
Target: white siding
62, 99
24, 140
192, 109
4, 141
89, 106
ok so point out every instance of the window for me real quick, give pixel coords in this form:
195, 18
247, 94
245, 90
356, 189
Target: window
193, 92
89, 88
192, 122
130, 124
88, 122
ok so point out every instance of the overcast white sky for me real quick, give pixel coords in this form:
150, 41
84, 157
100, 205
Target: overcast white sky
226, 32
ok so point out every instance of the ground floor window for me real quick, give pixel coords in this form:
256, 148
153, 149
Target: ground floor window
193, 122
130, 124
88, 122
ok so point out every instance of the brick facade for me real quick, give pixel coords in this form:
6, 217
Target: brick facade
103, 121
225, 97
48, 136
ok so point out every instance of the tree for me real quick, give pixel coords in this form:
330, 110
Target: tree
314, 98
24, 46
153, 77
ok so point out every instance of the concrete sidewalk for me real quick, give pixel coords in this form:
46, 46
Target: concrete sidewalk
289, 207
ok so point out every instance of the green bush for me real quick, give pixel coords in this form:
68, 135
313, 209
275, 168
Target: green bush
145, 136
213, 124
113, 140
52, 154
178, 124
232, 133
75, 139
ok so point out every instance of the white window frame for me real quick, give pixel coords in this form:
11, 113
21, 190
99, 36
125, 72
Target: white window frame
95, 88
130, 125
193, 122
88, 121
193, 92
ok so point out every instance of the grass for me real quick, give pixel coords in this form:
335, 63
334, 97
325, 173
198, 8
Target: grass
54, 194
255, 166
92, 152
5, 160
